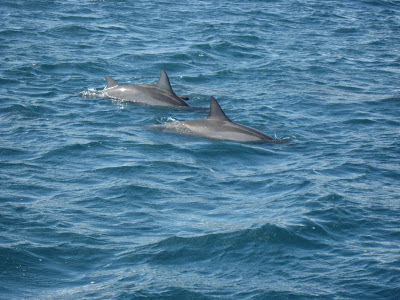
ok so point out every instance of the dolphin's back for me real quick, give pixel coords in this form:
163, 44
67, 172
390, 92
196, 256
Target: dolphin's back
149, 94
217, 125
160, 94
225, 130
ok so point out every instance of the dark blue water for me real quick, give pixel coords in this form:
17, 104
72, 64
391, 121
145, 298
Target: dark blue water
93, 205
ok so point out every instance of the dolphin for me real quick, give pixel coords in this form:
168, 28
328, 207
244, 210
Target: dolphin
160, 94
217, 126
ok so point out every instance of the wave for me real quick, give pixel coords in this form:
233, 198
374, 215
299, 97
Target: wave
248, 245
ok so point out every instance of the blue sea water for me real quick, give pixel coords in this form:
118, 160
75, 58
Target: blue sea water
93, 205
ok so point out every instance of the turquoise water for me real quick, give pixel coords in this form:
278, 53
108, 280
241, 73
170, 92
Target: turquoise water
93, 205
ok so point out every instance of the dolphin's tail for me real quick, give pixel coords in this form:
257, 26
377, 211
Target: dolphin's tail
111, 82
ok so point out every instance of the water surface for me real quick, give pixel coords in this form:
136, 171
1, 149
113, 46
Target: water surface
93, 205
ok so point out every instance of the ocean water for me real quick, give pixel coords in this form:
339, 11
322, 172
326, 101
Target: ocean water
93, 205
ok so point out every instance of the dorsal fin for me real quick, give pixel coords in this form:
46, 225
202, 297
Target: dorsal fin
163, 82
111, 82
216, 111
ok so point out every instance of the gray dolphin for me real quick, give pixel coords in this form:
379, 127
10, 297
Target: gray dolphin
160, 94
216, 126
